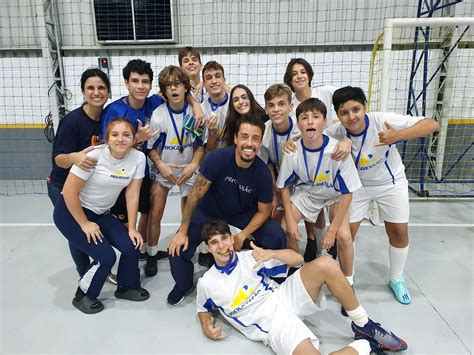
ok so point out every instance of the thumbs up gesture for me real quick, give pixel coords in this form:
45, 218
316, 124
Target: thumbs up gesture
389, 136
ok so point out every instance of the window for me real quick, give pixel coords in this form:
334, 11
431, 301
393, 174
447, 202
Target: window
134, 20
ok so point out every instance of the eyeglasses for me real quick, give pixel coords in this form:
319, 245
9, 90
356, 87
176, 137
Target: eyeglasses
176, 84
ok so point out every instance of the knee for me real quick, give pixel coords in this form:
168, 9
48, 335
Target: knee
344, 237
107, 258
324, 265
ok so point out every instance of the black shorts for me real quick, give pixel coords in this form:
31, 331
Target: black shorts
119, 210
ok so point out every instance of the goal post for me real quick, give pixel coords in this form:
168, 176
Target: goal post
425, 68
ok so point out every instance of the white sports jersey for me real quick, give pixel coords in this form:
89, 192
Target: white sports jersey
316, 173
273, 142
172, 136
110, 176
220, 110
245, 296
377, 165
200, 96
324, 93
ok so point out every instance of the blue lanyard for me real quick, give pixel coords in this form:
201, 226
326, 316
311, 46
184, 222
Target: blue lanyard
364, 135
214, 106
202, 95
180, 139
320, 160
275, 138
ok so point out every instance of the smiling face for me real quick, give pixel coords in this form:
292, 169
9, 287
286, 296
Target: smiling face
120, 137
352, 116
278, 109
95, 92
138, 86
248, 141
311, 124
191, 66
221, 246
214, 82
299, 80
241, 101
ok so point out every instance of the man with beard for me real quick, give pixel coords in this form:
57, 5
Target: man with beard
233, 185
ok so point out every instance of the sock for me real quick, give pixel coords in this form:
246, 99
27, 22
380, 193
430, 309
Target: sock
152, 250
350, 279
143, 248
358, 316
398, 259
203, 248
362, 346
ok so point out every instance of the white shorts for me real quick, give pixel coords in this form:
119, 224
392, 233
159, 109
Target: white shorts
308, 205
184, 189
391, 199
287, 330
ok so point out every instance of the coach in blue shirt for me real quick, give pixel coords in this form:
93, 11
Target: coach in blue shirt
233, 185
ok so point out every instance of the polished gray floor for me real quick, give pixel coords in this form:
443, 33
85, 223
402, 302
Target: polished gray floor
38, 282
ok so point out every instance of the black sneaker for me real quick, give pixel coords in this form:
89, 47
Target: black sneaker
206, 259
310, 251
143, 256
151, 267
176, 296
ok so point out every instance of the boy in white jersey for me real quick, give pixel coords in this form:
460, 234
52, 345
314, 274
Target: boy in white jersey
216, 105
381, 171
190, 61
320, 182
175, 153
239, 286
298, 77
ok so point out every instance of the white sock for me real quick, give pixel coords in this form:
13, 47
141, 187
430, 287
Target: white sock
152, 250
350, 279
398, 259
362, 346
358, 316
203, 248
143, 248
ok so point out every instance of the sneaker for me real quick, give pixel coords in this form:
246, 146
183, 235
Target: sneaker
400, 290
151, 267
143, 256
383, 339
206, 259
374, 346
162, 254
111, 279
310, 251
176, 296
132, 295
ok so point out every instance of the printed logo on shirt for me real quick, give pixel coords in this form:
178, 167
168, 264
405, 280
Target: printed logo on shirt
368, 161
174, 145
242, 188
120, 174
242, 296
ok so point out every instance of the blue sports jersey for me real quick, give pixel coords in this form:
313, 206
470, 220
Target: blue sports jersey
122, 108
75, 132
234, 190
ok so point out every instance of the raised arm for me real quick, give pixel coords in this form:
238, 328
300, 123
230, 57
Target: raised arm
286, 256
420, 129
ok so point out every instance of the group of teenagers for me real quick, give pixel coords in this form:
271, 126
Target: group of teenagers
259, 170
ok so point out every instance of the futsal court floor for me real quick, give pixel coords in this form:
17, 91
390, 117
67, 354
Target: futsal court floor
38, 282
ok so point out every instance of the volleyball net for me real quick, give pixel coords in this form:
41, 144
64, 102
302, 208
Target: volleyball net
46, 45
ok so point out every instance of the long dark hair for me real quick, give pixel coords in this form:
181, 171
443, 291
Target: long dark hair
233, 116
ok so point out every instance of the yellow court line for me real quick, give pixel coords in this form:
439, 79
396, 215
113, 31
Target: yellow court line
451, 121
